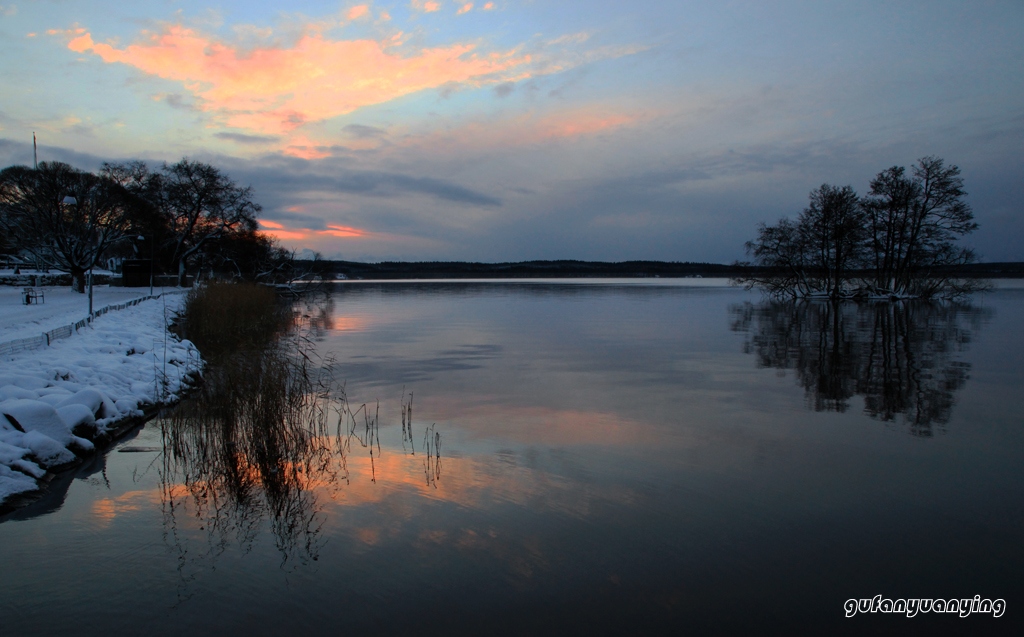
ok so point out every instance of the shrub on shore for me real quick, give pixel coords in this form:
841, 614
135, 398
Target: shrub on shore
221, 318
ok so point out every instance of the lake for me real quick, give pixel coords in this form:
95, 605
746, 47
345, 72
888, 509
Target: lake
565, 457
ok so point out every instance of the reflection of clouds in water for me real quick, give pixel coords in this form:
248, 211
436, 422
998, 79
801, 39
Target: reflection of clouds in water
398, 370
487, 418
349, 323
608, 349
104, 510
470, 482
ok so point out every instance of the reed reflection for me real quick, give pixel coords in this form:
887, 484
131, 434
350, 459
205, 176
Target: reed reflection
903, 358
249, 448
266, 437
432, 462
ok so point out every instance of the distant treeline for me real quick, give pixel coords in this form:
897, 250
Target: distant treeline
577, 269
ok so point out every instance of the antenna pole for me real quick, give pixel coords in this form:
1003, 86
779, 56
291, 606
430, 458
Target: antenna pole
35, 153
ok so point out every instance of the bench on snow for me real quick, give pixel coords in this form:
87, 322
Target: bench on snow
32, 295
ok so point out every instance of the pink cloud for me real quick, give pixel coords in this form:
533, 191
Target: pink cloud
426, 6
335, 230
305, 148
358, 11
275, 90
305, 235
529, 129
488, 6
466, 8
580, 124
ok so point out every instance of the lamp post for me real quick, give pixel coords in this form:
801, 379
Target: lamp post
71, 201
152, 255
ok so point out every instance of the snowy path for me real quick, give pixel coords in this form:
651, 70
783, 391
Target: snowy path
60, 307
54, 400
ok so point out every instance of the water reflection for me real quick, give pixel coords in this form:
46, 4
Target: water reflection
904, 359
247, 449
268, 434
432, 462
314, 314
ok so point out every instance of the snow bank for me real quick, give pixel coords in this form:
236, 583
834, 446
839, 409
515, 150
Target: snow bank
56, 400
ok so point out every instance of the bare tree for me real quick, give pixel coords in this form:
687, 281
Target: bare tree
815, 254
915, 222
193, 206
203, 204
783, 259
832, 225
65, 218
899, 241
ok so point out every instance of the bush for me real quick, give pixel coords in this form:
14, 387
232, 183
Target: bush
221, 318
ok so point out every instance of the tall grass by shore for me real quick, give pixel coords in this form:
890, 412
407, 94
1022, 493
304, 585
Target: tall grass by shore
254, 438
224, 318
267, 427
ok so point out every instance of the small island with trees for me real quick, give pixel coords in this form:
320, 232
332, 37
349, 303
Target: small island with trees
897, 242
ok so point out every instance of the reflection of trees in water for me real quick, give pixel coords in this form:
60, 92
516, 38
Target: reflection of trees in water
314, 313
266, 432
249, 448
903, 358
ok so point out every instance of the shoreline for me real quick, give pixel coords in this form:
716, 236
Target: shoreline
72, 400
104, 444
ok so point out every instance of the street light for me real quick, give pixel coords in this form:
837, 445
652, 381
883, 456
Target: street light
152, 255
71, 201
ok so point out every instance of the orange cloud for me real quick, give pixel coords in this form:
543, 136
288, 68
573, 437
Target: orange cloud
358, 11
305, 148
342, 231
466, 8
274, 90
426, 6
293, 235
580, 125
280, 231
527, 129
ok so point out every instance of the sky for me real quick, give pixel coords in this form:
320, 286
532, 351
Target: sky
509, 130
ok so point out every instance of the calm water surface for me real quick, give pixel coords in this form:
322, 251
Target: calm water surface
582, 458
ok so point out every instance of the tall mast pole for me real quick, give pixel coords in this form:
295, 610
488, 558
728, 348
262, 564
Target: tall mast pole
35, 154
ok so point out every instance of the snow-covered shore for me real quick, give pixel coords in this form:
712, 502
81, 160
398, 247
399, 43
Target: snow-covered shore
56, 401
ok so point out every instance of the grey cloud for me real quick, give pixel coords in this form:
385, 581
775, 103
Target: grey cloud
276, 173
247, 139
360, 131
504, 90
13, 152
390, 184
448, 89
178, 101
295, 218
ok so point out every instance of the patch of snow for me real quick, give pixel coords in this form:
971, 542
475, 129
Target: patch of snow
107, 372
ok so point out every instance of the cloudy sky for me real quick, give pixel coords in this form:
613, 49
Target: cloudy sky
503, 130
